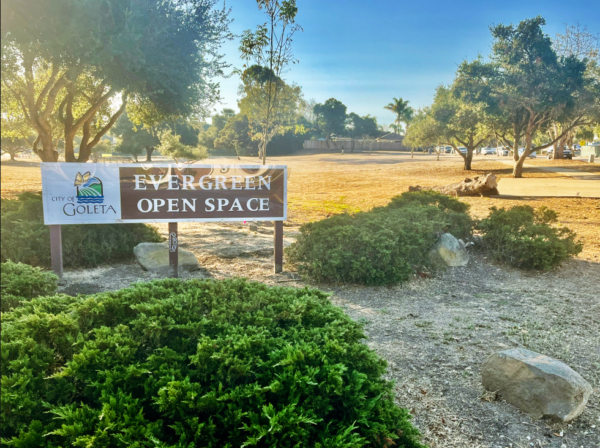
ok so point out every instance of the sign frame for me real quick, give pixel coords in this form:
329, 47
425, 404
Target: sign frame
85, 166
173, 238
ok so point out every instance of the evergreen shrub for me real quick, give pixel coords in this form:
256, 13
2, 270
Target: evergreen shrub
527, 238
200, 363
19, 281
381, 246
26, 239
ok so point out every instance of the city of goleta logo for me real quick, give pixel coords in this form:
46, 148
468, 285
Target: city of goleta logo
89, 189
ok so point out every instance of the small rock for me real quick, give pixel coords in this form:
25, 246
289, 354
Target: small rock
448, 251
253, 227
154, 257
537, 384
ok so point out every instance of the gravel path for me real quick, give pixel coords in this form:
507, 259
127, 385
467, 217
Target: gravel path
436, 332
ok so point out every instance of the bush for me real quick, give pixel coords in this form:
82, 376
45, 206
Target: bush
525, 238
26, 239
23, 282
199, 363
381, 246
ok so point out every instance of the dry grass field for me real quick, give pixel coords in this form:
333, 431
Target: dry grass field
324, 184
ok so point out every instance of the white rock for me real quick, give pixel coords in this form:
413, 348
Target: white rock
449, 251
154, 257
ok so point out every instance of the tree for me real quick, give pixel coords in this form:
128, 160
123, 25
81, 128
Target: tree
579, 43
266, 121
525, 86
104, 146
361, 127
220, 120
135, 139
331, 118
153, 58
403, 111
13, 146
235, 135
451, 121
424, 131
171, 146
270, 48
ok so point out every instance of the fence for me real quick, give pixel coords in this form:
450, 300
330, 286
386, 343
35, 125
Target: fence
356, 145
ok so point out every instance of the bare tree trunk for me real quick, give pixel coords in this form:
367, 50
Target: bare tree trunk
468, 160
149, 151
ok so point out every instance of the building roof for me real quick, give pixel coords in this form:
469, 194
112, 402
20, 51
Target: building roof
391, 137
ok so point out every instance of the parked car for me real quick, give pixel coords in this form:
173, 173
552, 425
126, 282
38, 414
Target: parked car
567, 153
501, 151
462, 149
448, 149
533, 154
487, 151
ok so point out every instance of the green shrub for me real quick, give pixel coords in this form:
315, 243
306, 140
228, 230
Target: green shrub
23, 282
526, 238
381, 246
199, 363
26, 239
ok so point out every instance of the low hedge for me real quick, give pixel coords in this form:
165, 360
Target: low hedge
198, 363
26, 239
380, 246
19, 282
528, 238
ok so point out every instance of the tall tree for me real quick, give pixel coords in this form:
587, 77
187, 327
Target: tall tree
86, 61
525, 86
13, 146
425, 131
451, 121
270, 48
331, 118
361, 127
268, 121
579, 43
236, 136
135, 139
403, 111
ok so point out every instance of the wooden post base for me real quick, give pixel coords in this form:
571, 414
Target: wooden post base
56, 250
278, 253
174, 250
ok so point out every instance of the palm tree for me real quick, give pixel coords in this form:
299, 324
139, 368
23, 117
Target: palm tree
403, 111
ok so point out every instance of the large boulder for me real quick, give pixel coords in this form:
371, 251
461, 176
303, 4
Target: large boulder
536, 384
154, 257
449, 251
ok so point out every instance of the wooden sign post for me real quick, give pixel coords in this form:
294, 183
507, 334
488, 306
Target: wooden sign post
56, 250
278, 252
173, 250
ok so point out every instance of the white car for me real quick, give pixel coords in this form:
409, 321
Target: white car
533, 154
462, 149
487, 151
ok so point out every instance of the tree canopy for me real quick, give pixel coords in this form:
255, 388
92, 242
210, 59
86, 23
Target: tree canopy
331, 117
155, 59
404, 113
526, 85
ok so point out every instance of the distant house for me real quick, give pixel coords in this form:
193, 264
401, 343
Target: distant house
391, 137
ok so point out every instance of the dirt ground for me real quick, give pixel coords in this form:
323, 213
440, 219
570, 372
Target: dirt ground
436, 332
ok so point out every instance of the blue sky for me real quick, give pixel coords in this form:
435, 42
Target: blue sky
363, 53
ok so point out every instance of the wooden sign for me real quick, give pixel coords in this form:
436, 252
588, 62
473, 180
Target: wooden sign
97, 193
117, 193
